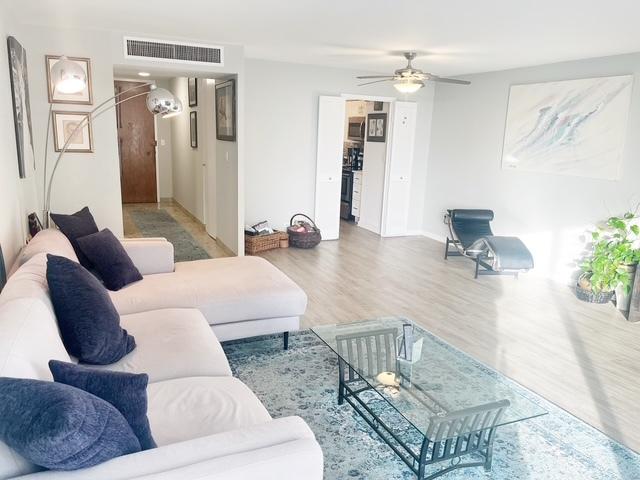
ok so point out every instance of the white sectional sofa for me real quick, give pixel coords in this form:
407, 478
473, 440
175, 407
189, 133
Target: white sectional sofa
207, 424
239, 296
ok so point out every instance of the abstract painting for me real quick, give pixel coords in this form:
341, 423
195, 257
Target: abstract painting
21, 106
574, 127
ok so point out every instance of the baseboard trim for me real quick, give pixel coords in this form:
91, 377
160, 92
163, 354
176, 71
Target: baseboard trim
435, 236
226, 249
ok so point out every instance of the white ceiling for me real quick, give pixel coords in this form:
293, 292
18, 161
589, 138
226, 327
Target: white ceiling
455, 36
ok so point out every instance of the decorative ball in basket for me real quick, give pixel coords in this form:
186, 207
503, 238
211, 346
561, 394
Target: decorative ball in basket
303, 234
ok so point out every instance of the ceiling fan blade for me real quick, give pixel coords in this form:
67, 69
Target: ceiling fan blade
374, 76
434, 78
388, 79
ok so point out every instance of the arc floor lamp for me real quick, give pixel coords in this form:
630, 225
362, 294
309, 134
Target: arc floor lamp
69, 77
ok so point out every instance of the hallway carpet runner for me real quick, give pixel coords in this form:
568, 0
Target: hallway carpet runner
158, 223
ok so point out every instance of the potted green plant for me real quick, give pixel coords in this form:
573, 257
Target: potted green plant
610, 266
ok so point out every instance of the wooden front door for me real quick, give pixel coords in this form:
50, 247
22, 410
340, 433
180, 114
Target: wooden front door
136, 146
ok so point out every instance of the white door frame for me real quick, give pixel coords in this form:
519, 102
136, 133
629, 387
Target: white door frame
387, 163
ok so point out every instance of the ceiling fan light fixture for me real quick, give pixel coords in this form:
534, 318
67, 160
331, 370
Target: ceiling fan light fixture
408, 85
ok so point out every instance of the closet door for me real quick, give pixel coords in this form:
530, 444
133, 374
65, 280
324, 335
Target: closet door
331, 118
395, 216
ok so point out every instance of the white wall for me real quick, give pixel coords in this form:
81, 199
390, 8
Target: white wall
164, 150
281, 135
228, 192
82, 179
17, 197
373, 173
187, 161
548, 212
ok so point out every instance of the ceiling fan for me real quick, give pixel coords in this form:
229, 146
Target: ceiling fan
409, 79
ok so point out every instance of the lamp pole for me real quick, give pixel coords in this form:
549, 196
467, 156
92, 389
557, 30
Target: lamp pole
92, 115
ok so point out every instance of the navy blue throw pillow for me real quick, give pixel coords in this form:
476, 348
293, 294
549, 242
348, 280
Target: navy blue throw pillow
109, 259
61, 427
125, 391
89, 323
74, 226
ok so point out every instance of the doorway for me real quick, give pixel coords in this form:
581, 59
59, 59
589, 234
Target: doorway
136, 145
364, 163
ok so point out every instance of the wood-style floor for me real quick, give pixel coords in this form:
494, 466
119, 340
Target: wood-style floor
583, 357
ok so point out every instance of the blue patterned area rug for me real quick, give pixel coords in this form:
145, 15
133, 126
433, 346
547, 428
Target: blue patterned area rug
158, 223
303, 381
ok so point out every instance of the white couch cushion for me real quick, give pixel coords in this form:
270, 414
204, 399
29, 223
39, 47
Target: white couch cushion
281, 448
172, 343
51, 241
224, 289
187, 408
29, 281
28, 340
150, 255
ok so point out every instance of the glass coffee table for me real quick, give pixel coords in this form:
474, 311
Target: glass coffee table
427, 400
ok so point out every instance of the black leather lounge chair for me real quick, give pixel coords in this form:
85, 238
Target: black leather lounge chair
470, 233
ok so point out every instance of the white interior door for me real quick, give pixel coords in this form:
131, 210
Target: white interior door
395, 215
331, 118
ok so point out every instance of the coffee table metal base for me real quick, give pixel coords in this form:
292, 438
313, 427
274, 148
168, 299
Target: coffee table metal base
480, 442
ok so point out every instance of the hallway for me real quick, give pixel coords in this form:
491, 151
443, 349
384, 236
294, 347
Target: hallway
191, 226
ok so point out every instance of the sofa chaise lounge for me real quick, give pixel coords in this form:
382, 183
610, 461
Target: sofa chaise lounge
207, 424
239, 296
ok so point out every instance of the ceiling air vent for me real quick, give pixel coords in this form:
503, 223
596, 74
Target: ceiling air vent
174, 52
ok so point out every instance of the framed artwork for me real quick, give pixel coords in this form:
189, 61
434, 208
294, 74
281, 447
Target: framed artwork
378, 106
193, 129
21, 106
192, 87
226, 111
85, 97
376, 127
64, 128
3, 271
574, 127
34, 224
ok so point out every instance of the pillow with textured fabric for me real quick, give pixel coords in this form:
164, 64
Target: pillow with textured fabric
89, 323
60, 427
125, 391
109, 259
74, 226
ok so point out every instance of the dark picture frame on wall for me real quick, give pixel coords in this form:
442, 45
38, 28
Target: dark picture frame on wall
226, 111
193, 129
21, 105
376, 127
192, 88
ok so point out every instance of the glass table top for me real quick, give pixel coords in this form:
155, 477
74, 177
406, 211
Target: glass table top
429, 379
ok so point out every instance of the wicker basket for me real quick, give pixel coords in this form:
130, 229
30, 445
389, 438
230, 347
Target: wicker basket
591, 297
261, 243
307, 239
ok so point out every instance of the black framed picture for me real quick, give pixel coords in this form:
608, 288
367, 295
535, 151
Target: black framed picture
3, 271
226, 111
192, 86
21, 105
376, 127
193, 129
378, 106
34, 224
